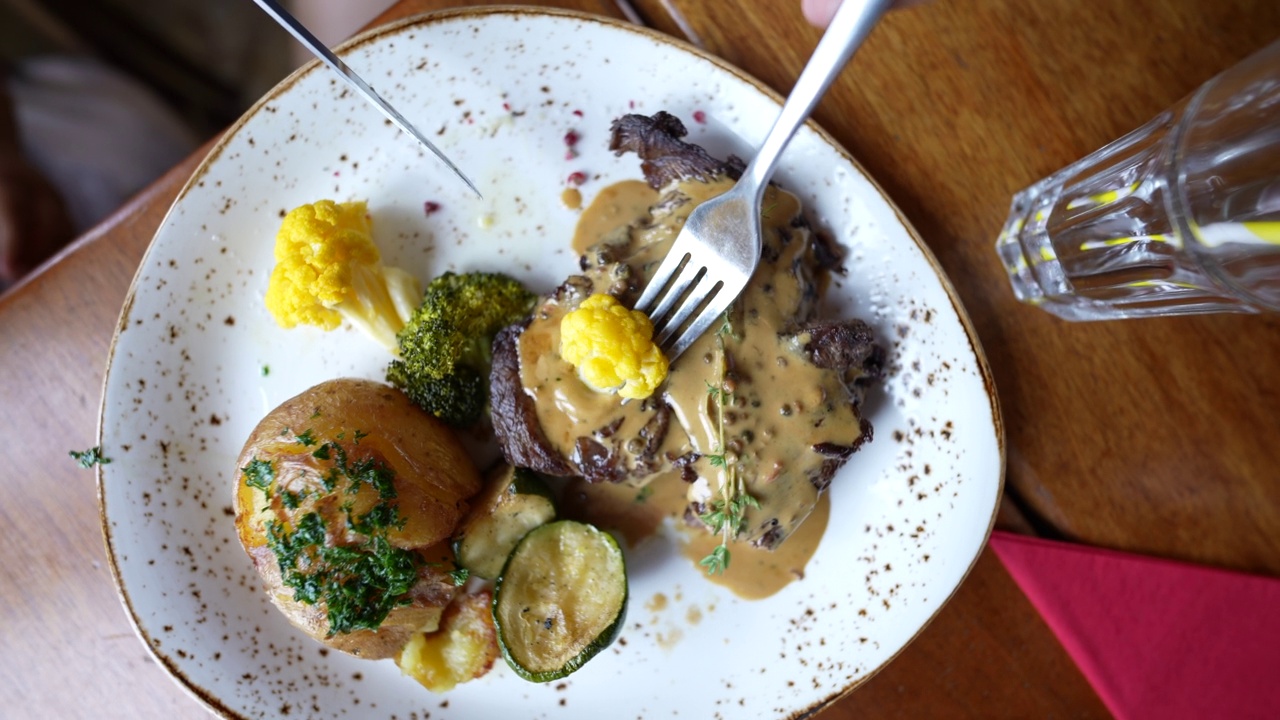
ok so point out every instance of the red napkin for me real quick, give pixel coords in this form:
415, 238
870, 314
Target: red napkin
1156, 638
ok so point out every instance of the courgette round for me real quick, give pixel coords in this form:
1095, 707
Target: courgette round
512, 502
560, 600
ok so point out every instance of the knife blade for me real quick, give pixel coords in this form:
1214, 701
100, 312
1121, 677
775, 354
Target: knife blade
318, 48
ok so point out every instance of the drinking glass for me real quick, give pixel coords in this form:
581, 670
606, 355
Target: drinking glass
1180, 216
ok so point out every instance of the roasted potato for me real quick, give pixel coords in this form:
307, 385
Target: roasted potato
346, 496
463, 648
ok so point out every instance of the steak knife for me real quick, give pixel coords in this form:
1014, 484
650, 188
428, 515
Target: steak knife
317, 48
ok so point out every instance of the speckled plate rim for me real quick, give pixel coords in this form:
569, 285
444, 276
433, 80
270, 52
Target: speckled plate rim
211, 702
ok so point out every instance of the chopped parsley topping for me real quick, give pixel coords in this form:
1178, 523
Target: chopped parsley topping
359, 583
259, 474
291, 500
382, 516
89, 458
377, 476
460, 576
330, 479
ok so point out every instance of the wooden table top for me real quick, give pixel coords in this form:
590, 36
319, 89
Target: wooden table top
1157, 436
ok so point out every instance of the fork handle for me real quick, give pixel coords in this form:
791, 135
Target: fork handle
850, 26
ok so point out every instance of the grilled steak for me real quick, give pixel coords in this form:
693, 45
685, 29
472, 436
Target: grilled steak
793, 383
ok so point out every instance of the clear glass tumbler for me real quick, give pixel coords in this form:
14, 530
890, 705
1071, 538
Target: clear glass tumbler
1180, 216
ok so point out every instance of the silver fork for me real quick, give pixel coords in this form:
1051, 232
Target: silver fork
719, 246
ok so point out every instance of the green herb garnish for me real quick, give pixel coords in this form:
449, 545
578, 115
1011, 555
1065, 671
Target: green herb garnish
726, 515
359, 583
366, 471
89, 458
381, 517
291, 500
460, 576
717, 561
259, 474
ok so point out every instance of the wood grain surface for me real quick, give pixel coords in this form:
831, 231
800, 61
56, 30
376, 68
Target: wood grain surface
1155, 436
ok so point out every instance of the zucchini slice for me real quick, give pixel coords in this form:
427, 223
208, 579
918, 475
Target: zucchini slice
561, 598
512, 502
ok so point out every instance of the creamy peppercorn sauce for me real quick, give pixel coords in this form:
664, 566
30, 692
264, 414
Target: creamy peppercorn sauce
780, 406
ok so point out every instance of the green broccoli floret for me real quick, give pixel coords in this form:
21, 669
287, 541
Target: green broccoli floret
446, 348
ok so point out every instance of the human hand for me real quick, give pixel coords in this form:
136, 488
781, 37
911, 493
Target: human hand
820, 12
33, 221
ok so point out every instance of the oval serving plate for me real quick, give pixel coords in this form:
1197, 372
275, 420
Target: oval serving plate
197, 361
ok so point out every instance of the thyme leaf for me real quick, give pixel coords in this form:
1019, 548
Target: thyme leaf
717, 561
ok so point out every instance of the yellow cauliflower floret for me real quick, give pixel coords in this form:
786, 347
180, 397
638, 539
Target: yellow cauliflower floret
328, 268
613, 348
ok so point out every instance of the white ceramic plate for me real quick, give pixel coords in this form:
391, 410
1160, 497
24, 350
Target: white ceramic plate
198, 361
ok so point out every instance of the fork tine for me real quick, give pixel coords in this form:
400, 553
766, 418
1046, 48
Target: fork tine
728, 284
710, 313
661, 277
698, 296
683, 291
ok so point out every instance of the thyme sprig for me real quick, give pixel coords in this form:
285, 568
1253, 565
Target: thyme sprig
726, 515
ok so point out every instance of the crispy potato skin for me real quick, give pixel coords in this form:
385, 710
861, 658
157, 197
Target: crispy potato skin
433, 480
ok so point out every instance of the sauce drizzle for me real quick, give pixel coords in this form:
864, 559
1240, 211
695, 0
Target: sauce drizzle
781, 406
